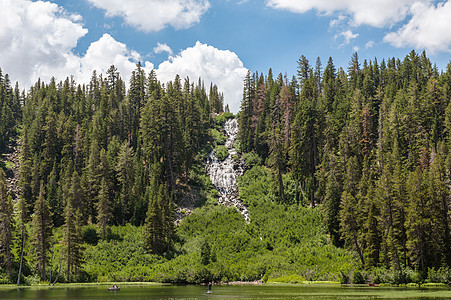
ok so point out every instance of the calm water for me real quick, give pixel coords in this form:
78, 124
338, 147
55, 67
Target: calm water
228, 292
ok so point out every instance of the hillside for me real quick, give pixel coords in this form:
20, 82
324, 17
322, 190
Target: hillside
333, 175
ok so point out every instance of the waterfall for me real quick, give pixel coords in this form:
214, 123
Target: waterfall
223, 174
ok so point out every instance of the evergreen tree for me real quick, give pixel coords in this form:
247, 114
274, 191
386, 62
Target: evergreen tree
104, 209
6, 225
159, 225
72, 239
42, 233
125, 173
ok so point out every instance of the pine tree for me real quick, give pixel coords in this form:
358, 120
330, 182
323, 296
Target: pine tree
6, 224
418, 220
159, 225
245, 134
153, 227
104, 209
125, 174
72, 239
54, 199
42, 233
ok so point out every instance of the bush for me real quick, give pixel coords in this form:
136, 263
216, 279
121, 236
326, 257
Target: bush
358, 277
4, 278
293, 278
89, 234
440, 275
221, 119
218, 137
252, 159
238, 146
221, 152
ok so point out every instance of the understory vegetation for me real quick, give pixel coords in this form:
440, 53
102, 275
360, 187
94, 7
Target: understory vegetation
347, 178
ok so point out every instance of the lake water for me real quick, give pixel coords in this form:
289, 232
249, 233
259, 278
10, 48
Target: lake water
228, 292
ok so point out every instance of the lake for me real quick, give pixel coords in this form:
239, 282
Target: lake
228, 292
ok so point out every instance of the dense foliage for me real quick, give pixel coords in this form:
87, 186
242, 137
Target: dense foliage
348, 177
370, 145
98, 154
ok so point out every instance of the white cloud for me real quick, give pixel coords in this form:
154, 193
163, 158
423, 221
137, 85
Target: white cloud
154, 15
160, 48
377, 13
428, 29
37, 39
106, 52
369, 44
35, 34
222, 67
338, 21
349, 36
426, 22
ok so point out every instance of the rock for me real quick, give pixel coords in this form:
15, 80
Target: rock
223, 174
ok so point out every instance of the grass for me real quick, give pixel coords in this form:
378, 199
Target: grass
85, 284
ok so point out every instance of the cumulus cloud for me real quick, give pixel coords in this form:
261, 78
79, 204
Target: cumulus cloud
429, 28
106, 52
37, 41
348, 36
154, 15
427, 22
36, 34
160, 48
377, 13
222, 67
37, 38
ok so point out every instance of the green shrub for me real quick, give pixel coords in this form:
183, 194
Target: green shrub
252, 159
90, 236
359, 277
293, 278
440, 275
222, 118
4, 278
238, 146
218, 137
221, 152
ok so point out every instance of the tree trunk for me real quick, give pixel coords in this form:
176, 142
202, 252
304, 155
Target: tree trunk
21, 258
359, 251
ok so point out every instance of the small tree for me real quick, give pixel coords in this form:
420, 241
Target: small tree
42, 232
6, 224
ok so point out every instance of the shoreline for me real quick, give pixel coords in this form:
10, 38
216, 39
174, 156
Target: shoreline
229, 283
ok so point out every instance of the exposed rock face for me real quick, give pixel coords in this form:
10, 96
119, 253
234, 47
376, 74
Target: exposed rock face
223, 174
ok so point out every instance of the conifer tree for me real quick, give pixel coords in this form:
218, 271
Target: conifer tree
72, 239
104, 209
159, 225
153, 227
125, 173
6, 225
42, 233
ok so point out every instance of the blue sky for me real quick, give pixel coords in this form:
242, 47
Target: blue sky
216, 39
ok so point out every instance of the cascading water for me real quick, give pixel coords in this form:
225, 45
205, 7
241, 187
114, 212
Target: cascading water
223, 174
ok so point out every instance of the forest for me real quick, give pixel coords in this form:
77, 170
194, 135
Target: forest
348, 177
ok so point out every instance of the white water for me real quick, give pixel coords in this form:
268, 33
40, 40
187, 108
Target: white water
223, 174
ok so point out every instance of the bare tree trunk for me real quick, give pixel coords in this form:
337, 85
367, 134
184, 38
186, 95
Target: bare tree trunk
21, 258
58, 275
359, 251
51, 265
